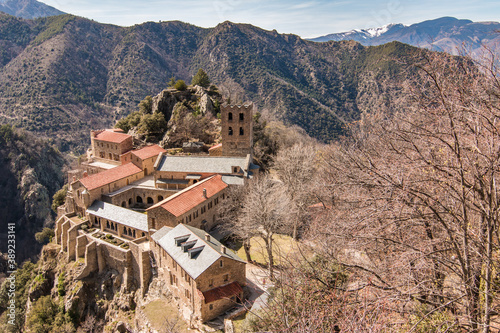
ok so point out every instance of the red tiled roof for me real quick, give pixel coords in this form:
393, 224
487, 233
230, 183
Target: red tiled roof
191, 197
112, 136
148, 151
226, 291
216, 146
109, 176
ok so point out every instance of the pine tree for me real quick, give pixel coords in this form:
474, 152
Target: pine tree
201, 79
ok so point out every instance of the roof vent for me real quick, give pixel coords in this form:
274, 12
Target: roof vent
181, 239
223, 249
207, 237
195, 251
205, 193
187, 245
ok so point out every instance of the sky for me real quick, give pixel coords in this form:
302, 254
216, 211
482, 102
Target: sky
304, 18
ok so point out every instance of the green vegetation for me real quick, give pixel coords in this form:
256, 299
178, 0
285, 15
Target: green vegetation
147, 123
59, 197
171, 83
61, 285
146, 105
44, 236
25, 274
180, 85
48, 317
201, 79
52, 26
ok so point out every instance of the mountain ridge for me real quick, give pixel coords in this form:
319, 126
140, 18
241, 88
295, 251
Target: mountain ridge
64, 75
447, 34
28, 9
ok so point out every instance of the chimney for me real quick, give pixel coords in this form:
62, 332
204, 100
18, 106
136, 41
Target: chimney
207, 237
223, 249
205, 193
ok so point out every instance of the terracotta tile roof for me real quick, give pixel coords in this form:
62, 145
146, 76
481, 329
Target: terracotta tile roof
226, 291
216, 146
112, 136
109, 176
148, 151
192, 196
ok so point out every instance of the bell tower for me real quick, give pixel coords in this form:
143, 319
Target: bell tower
237, 129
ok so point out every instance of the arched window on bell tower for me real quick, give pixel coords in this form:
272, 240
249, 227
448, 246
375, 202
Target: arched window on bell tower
241, 131
230, 131
230, 116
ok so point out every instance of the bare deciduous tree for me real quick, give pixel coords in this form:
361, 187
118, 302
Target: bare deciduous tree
417, 206
229, 211
265, 211
296, 167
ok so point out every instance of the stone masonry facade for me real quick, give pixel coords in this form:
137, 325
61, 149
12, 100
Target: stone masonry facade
120, 214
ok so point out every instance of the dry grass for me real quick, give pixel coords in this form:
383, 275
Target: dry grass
162, 314
283, 246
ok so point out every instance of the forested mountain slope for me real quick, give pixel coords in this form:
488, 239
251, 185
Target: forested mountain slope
61, 76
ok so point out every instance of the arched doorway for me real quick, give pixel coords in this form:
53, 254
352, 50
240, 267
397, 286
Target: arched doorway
124, 204
150, 200
145, 172
138, 199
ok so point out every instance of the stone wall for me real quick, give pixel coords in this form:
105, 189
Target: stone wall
141, 264
234, 269
110, 150
91, 264
81, 245
187, 291
215, 276
237, 129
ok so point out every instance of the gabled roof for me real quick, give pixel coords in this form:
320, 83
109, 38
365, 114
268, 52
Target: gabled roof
112, 136
109, 176
192, 196
194, 265
202, 164
120, 215
226, 291
148, 151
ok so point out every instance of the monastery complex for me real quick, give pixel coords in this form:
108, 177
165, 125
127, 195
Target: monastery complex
146, 213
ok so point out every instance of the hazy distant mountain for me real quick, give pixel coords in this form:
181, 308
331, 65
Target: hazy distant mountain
28, 9
446, 34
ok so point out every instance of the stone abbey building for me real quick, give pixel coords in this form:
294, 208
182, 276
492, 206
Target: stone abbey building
145, 213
